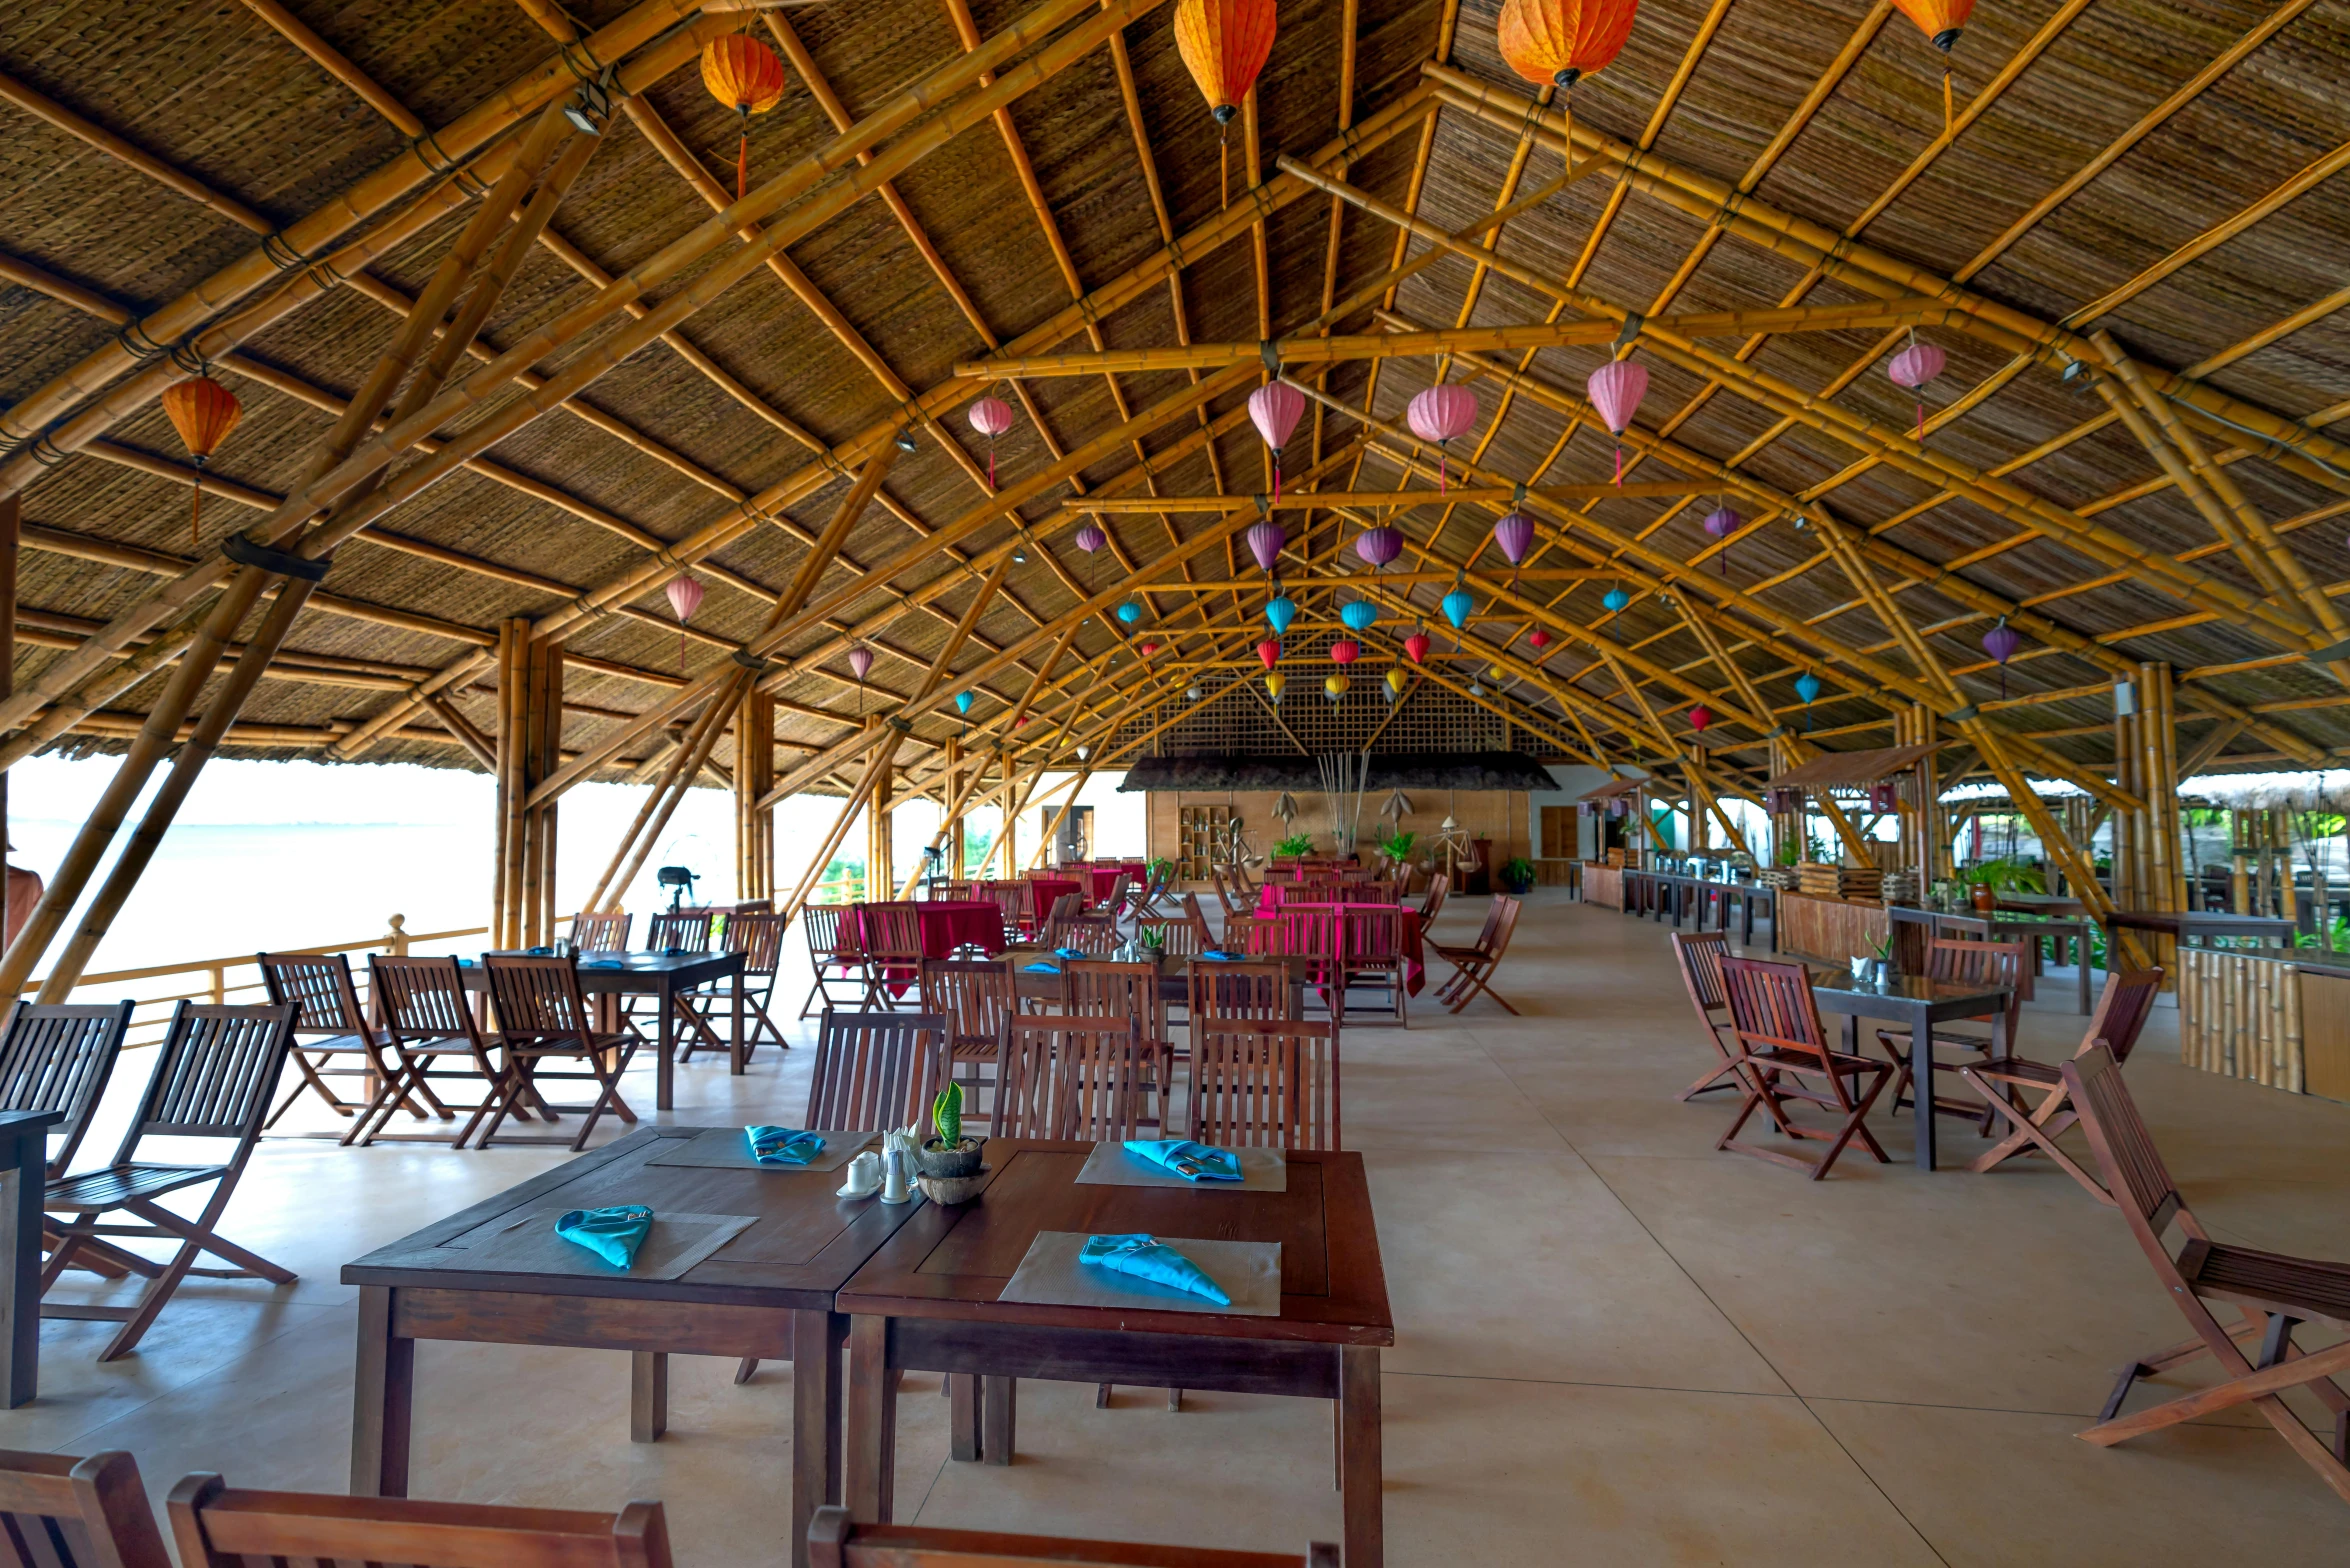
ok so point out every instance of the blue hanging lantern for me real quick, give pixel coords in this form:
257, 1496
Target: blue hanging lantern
1809, 686
1457, 605
1279, 612
1359, 615
1130, 612
1615, 599
962, 702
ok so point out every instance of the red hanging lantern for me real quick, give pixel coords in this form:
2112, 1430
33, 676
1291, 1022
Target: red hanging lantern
203, 412
1268, 651
1146, 649
685, 597
1699, 717
745, 75
1538, 639
1343, 652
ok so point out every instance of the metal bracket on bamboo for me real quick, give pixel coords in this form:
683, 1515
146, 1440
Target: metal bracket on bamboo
1963, 715
753, 663
903, 725
2324, 656
244, 552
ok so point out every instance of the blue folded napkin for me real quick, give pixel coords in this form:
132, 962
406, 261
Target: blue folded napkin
601, 963
1147, 1257
1068, 952
1219, 955
612, 1234
1189, 1160
1040, 968
782, 1145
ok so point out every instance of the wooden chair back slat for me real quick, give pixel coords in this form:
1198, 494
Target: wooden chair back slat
1373, 933
875, 1071
58, 1057
758, 936
1105, 988
891, 932
1439, 888
2134, 1172
214, 1074
2002, 963
1771, 1007
604, 933
1086, 933
1177, 935
217, 1526
1259, 1085
687, 931
2123, 1007
1699, 955
59, 1511
537, 998
974, 996
826, 930
422, 999
319, 985
1062, 1076
1255, 936
1222, 988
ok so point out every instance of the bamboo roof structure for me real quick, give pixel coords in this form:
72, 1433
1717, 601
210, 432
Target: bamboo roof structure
2127, 240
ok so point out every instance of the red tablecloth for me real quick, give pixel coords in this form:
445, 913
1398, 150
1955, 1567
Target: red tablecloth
1415, 965
1104, 878
946, 925
1048, 890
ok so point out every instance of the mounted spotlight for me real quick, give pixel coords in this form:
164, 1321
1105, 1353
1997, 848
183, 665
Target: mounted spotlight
906, 441
591, 107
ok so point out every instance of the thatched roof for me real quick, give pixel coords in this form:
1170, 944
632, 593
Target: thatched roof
2095, 183
1399, 770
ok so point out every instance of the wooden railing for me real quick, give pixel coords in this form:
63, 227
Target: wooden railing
221, 980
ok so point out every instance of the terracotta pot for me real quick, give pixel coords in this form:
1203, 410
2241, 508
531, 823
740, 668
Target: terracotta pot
1984, 897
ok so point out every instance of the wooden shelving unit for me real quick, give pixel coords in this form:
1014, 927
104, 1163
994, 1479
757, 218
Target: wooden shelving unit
1197, 829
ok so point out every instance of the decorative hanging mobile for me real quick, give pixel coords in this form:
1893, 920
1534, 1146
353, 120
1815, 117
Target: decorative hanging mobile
1416, 647
1224, 44
1941, 21
1334, 687
1809, 686
1616, 600
685, 597
1344, 651
1913, 367
1379, 545
1616, 389
2002, 642
1275, 408
1359, 615
1515, 534
1720, 524
745, 75
203, 412
1441, 414
1280, 610
1558, 42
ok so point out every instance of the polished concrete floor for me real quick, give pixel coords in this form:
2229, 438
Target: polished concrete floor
1614, 1345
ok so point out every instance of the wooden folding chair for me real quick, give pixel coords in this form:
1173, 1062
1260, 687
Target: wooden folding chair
1371, 945
974, 996
890, 935
327, 1003
58, 1511
1198, 918
1236, 988
216, 1525
1311, 931
2122, 1010
834, 1541
428, 1017
1223, 894
834, 953
1777, 1026
604, 933
876, 1071
1067, 1077
686, 931
1177, 935
1969, 963
1439, 888
1086, 933
758, 936
1105, 988
1473, 966
216, 1069
58, 1057
1114, 905
1256, 936
542, 1018
1699, 955
2275, 1293
1259, 1084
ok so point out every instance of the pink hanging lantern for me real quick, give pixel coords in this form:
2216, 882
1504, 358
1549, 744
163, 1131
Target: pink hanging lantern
1720, 524
1440, 414
860, 663
1616, 389
1417, 645
1379, 545
1265, 540
1275, 408
1146, 649
1091, 538
685, 597
991, 417
1700, 716
1344, 651
1912, 368
1538, 639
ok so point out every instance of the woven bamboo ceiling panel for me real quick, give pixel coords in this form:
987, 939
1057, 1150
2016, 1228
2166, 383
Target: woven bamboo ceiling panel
2124, 242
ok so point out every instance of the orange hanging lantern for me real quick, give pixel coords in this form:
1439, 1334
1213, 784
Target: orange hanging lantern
746, 76
1224, 44
1941, 21
203, 412
1559, 42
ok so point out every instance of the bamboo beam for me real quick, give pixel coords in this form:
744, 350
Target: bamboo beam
125, 152
331, 60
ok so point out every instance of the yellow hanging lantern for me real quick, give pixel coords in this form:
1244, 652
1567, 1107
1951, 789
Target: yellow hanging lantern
1334, 687
746, 76
1397, 680
1274, 682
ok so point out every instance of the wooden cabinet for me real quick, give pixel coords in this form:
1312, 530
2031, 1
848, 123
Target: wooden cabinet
1198, 829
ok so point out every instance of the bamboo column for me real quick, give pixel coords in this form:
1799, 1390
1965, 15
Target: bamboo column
542, 754
952, 825
11, 537
754, 775
2129, 822
880, 861
2159, 769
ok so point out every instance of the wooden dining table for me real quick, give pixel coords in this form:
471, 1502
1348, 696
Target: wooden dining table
24, 1159
1916, 1004
604, 978
768, 1293
928, 1299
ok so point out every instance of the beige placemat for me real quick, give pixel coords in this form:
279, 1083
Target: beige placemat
726, 1149
1110, 1165
1051, 1276
527, 1244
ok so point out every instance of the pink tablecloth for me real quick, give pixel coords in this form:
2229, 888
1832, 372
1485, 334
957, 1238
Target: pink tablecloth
946, 925
1104, 878
1414, 956
1049, 889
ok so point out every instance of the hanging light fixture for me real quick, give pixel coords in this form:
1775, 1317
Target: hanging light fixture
1720, 524
1130, 612
991, 417
1616, 389
1334, 686
1515, 535
1359, 615
1146, 649
1913, 367
1268, 652
860, 665
1344, 652
1439, 414
745, 75
1417, 646
1396, 682
2002, 642
1265, 539
1538, 639
203, 412
1091, 538
1559, 42
1379, 545
685, 597
1279, 612
1192, 692
1457, 606
1616, 600
962, 702
1699, 717
1275, 409
1224, 44
1274, 682
1941, 21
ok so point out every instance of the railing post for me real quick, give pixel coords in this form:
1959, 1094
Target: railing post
396, 940
219, 985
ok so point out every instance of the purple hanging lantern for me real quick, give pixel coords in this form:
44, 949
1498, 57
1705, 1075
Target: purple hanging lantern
1515, 534
2002, 642
1720, 524
1379, 545
1091, 538
1265, 540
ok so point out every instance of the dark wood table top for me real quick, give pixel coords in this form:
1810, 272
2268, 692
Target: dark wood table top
805, 1244
954, 1262
2199, 922
626, 971
1902, 995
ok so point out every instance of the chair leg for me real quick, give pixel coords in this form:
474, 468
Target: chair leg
746, 1369
210, 1240
1722, 1076
2037, 1130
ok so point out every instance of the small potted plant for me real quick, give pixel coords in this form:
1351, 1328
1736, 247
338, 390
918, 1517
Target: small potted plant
948, 1154
1295, 847
1398, 849
1517, 874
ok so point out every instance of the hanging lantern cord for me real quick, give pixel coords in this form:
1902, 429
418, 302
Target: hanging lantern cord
196, 509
